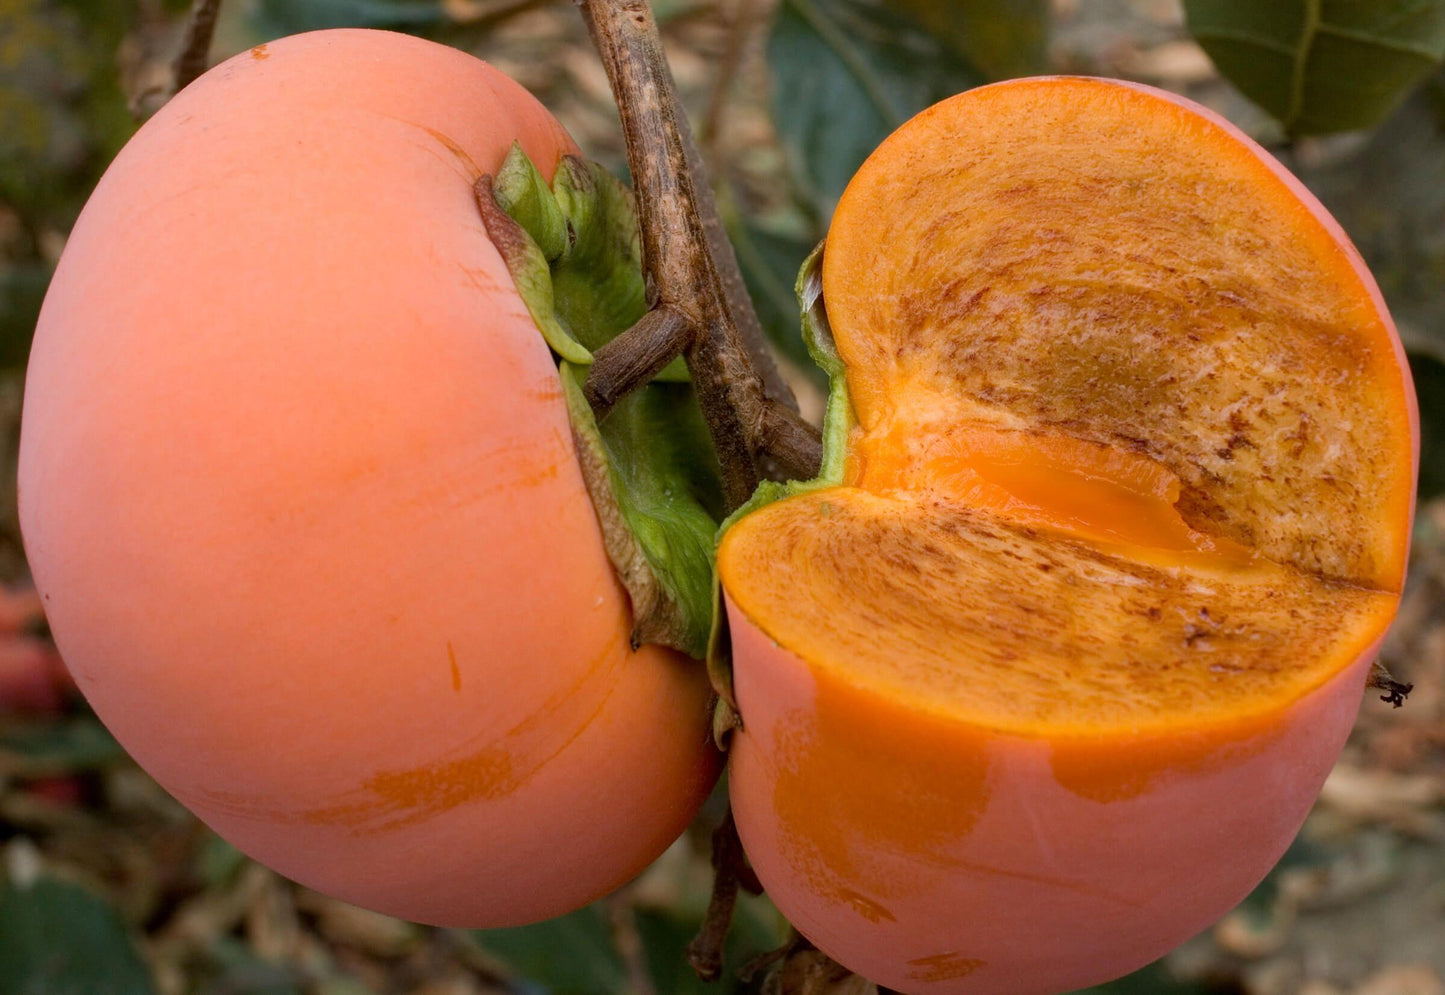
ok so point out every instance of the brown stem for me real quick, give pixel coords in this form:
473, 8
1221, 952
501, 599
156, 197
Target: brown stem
735, 289
791, 444
697, 285
635, 357
195, 51
724, 256
730, 871
725, 259
686, 255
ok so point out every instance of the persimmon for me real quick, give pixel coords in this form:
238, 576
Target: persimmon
301, 495
1043, 674
32, 678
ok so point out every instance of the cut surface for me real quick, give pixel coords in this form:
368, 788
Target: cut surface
963, 612
1134, 437
1101, 261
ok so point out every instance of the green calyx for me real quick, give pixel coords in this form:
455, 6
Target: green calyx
838, 421
574, 253
838, 417
651, 450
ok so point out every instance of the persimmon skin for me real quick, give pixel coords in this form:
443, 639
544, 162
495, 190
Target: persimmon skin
298, 488
1051, 871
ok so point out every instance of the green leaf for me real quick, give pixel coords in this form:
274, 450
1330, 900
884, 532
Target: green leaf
49, 748
57, 938
1429, 373
273, 18
1004, 38
1152, 980
573, 955
756, 929
1322, 65
846, 73
22, 288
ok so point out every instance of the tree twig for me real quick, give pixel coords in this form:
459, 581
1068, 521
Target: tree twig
635, 357
688, 259
730, 872
700, 299
725, 261
195, 52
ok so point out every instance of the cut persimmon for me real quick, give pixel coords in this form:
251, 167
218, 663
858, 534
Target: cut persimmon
1043, 675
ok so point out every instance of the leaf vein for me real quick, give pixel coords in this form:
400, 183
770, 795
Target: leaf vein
1243, 38
1388, 44
1301, 58
838, 41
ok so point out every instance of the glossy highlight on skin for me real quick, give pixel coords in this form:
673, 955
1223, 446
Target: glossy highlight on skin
1051, 678
299, 489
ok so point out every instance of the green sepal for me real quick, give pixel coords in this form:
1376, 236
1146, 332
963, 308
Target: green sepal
838, 417
574, 251
838, 422
585, 226
597, 280
524, 195
524, 257
726, 719
651, 475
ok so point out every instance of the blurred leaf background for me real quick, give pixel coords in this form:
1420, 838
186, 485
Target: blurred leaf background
106, 885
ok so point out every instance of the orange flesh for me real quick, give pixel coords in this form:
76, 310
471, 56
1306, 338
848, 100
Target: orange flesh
960, 611
1133, 444
1051, 481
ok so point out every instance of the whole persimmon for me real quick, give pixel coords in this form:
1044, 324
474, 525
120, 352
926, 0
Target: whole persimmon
300, 493
1044, 673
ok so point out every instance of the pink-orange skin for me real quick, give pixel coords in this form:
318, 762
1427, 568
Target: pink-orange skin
1065, 869
300, 495
1062, 874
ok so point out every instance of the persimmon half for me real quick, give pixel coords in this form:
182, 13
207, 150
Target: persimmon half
300, 493
1044, 677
